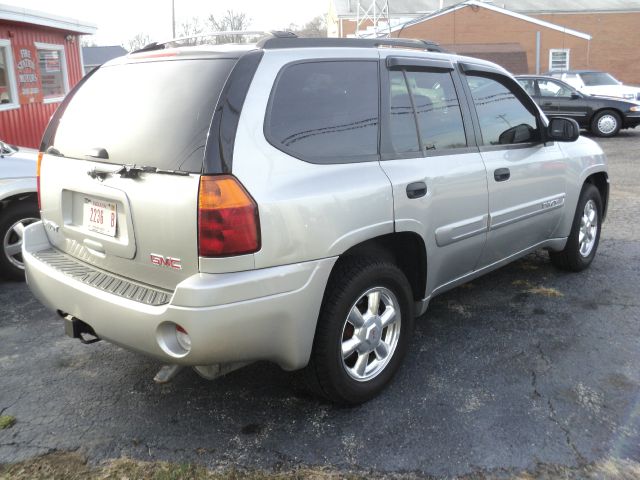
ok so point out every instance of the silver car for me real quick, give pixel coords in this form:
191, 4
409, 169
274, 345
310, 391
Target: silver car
298, 201
18, 205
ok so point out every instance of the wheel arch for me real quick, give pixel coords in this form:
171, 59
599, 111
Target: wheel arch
605, 108
406, 249
601, 181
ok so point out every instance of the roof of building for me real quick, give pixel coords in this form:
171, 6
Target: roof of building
93, 56
492, 7
413, 7
34, 17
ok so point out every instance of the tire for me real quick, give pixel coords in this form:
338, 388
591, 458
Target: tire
606, 123
359, 376
13, 219
579, 252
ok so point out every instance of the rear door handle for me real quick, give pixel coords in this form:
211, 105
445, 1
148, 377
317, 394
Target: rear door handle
416, 190
502, 174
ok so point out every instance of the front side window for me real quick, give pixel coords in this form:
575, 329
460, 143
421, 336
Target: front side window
325, 111
549, 88
53, 71
503, 117
558, 59
8, 94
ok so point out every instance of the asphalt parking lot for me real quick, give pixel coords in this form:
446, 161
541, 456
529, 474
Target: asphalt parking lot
526, 369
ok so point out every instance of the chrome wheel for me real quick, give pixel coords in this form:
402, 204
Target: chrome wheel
12, 241
588, 228
370, 334
607, 124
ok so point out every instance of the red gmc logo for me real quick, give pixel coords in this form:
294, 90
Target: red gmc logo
162, 261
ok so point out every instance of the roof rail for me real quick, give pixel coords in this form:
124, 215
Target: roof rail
276, 42
236, 33
282, 39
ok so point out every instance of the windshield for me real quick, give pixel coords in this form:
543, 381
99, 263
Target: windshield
153, 113
598, 78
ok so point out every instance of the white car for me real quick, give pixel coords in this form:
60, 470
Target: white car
18, 205
597, 83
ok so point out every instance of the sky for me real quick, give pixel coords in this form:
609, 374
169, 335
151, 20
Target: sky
120, 20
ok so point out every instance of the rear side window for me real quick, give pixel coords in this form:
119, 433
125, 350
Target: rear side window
426, 102
504, 119
325, 111
154, 113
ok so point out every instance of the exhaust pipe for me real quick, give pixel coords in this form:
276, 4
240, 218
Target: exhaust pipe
76, 328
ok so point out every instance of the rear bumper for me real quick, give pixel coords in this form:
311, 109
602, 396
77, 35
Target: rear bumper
268, 314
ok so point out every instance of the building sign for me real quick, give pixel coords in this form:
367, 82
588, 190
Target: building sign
29, 89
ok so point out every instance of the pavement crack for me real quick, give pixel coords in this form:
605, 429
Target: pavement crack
553, 416
534, 384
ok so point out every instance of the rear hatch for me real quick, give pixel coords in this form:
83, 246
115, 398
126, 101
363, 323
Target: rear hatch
119, 179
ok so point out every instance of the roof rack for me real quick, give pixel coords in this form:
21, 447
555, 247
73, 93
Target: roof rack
192, 40
275, 42
281, 39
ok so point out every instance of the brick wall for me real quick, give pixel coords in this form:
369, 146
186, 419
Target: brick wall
475, 25
614, 47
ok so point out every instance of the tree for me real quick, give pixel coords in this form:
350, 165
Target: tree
137, 42
231, 21
315, 28
190, 28
87, 41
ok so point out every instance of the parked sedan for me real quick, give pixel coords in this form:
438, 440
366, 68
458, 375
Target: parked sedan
604, 116
18, 205
597, 83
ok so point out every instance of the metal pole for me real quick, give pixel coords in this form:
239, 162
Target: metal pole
537, 53
173, 18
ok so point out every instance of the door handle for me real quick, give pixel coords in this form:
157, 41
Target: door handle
502, 174
547, 104
416, 190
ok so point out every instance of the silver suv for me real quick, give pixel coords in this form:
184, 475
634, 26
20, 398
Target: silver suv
297, 200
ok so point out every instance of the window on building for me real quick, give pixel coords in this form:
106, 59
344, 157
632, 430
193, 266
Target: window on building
326, 111
8, 90
53, 71
558, 59
504, 119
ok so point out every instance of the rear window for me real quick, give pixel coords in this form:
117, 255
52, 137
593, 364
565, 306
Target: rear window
326, 111
154, 113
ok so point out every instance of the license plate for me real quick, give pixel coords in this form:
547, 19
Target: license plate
100, 216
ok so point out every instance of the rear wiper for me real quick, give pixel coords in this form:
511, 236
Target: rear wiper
133, 171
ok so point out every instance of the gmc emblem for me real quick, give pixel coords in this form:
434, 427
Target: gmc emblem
162, 261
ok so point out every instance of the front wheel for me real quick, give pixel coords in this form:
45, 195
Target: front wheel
606, 124
584, 238
363, 331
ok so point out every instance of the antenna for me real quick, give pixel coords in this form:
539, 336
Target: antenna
372, 19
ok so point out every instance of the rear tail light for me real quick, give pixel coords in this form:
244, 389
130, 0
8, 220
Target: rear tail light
38, 178
228, 222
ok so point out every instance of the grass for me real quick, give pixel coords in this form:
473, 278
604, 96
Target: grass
6, 421
73, 466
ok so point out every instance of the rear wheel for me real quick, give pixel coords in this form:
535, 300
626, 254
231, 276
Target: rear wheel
584, 238
606, 124
13, 221
363, 331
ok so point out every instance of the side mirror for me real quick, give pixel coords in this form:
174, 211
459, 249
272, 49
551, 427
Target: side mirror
575, 96
563, 129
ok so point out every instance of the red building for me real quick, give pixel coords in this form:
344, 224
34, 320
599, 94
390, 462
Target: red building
40, 60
